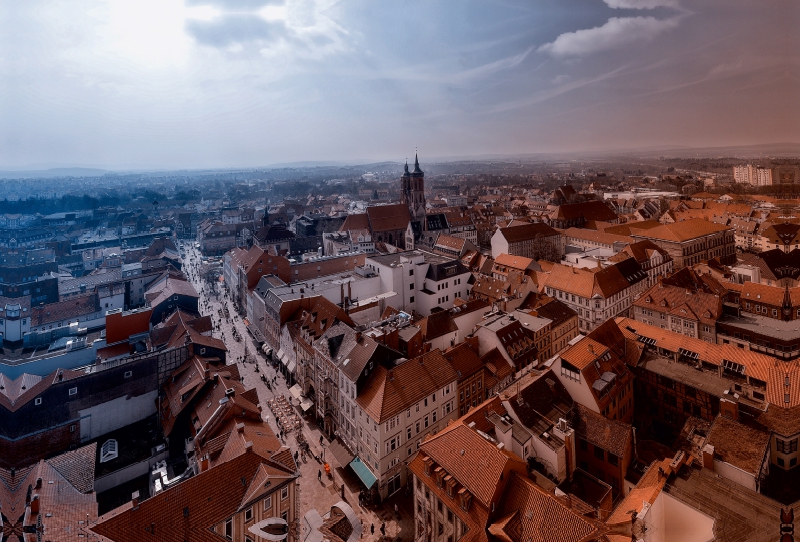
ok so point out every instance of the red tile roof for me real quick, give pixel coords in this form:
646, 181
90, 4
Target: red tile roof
389, 392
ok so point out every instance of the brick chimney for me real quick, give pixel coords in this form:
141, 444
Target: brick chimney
708, 457
35, 505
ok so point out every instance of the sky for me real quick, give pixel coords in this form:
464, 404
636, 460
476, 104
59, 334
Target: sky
133, 84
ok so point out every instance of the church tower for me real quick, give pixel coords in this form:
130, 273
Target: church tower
412, 190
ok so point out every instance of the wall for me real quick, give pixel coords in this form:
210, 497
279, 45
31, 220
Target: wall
579, 391
128, 473
103, 418
734, 474
45, 366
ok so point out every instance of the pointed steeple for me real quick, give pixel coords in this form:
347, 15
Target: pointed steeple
417, 171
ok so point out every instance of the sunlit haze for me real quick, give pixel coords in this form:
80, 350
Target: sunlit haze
226, 83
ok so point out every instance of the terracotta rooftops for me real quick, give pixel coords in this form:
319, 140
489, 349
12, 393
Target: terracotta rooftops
738, 444
527, 232
587, 283
685, 230
464, 360
389, 392
515, 262
190, 509
437, 324
388, 217
476, 463
527, 513
755, 365
610, 435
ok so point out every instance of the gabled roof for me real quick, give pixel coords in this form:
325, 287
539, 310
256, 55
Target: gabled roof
476, 464
589, 210
355, 222
527, 232
610, 435
685, 230
190, 509
388, 217
527, 513
464, 360
436, 325
391, 391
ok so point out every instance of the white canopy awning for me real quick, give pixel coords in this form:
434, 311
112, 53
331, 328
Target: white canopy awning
296, 391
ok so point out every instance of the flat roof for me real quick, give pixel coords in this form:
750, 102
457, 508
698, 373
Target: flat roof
764, 325
704, 380
739, 513
394, 259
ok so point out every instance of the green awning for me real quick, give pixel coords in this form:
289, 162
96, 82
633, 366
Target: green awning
363, 472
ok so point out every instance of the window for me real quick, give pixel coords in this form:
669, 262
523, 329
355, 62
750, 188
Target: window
410, 272
582, 444
229, 529
284, 493
248, 514
38, 401
73, 391
411, 286
786, 446
411, 299
599, 453
612, 459
268, 503
128, 374
426, 422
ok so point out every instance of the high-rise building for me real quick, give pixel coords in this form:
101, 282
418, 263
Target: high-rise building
412, 190
753, 175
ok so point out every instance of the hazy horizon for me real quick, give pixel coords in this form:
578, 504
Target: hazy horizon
216, 84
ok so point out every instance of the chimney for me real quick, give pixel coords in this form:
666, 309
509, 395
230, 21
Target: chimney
390, 375
135, 499
35, 505
708, 457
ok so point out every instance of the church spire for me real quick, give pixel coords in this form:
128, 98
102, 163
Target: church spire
417, 170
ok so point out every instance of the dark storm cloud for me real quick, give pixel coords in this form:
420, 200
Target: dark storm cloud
229, 29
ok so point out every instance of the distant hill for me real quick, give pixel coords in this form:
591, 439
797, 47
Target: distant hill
52, 173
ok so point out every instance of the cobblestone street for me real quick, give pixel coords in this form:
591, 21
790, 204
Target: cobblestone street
316, 491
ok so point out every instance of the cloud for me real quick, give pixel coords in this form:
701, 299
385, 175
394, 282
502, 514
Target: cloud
641, 4
231, 29
234, 5
618, 31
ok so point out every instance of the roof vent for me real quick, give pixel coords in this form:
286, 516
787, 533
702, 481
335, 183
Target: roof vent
109, 450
